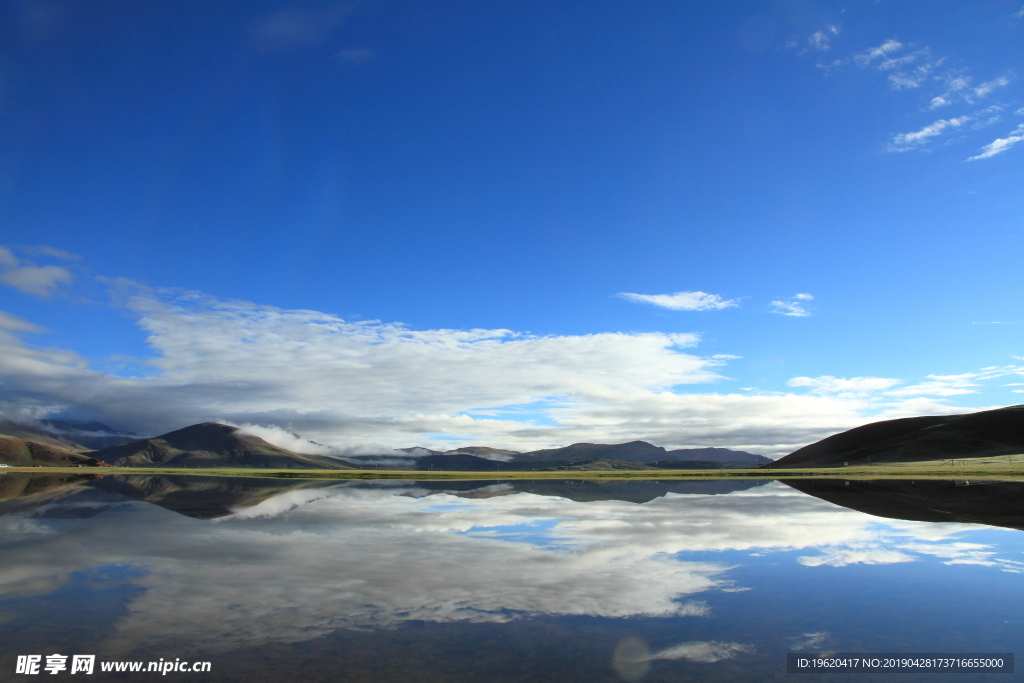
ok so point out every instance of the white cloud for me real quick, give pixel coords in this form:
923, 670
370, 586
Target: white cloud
953, 385
684, 301
869, 56
918, 69
846, 386
55, 253
361, 381
370, 387
822, 40
356, 55
907, 141
887, 389
958, 88
905, 60
282, 438
13, 324
1000, 145
986, 89
793, 307
903, 80
39, 280
290, 29
30, 278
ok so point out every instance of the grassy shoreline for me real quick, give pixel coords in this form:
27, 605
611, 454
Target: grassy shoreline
931, 470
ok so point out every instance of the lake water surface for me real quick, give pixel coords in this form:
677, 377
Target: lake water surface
285, 580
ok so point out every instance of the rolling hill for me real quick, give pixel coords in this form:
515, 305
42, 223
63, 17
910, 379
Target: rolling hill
211, 445
915, 439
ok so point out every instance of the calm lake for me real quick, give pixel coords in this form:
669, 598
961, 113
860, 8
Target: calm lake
288, 580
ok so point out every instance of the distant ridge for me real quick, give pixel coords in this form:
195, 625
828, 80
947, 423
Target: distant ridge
39, 435
16, 452
210, 445
483, 452
723, 455
913, 439
641, 451
633, 451
89, 433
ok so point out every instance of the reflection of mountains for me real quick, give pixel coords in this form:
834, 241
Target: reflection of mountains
201, 497
212, 497
582, 491
88, 495
45, 494
995, 503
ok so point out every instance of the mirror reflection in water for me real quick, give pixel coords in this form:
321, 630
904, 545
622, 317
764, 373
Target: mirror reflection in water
504, 580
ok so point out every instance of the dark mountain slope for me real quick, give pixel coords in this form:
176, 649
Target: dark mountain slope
975, 435
209, 445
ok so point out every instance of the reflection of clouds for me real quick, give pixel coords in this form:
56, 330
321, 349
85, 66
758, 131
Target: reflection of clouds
967, 553
705, 652
632, 657
308, 562
889, 546
840, 557
807, 641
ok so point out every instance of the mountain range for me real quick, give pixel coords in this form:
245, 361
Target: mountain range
641, 451
210, 444
64, 442
87, 495
944, 437
635, 455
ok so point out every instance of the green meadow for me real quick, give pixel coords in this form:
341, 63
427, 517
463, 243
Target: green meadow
1001, 467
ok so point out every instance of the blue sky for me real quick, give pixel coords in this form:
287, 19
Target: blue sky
410, 223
